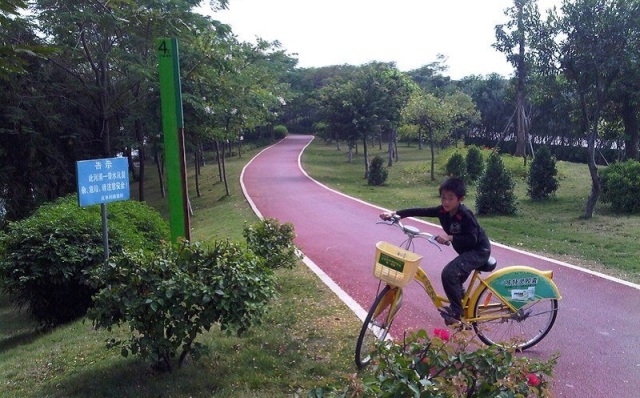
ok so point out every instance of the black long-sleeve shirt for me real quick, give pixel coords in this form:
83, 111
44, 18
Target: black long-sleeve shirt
462, 226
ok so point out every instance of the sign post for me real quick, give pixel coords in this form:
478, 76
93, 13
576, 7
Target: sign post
102, 181
173, 129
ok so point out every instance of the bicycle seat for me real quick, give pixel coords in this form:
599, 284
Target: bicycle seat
489, 266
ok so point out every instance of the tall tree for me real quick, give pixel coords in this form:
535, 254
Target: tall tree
593, 43
432, 117
513, 39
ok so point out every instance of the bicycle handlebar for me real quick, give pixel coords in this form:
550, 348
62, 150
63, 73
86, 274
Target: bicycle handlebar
410, 231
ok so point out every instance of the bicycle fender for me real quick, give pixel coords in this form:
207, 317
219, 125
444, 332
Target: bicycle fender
520, 285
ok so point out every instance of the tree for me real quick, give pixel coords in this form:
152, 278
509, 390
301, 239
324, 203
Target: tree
368, 103
512, 39
433, 119
475, 163
595, 38
12, 51
492, 99
542, 181
457, 166
495, 189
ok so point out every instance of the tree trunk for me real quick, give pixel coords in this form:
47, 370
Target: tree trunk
196, 160
631, 139
141, 158
593, 171
521, 142
392, 133
433, 160
365, 150
219, 160
591, 154
163, 192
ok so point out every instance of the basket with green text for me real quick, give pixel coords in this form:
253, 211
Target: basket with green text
395, 265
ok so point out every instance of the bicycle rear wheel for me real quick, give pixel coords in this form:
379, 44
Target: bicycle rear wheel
519, 330
376, 326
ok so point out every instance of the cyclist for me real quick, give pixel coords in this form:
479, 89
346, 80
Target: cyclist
463, 232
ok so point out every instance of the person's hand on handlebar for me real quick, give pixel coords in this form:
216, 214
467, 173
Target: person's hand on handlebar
387, 215
444, 240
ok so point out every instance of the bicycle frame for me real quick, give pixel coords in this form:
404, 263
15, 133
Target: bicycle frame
476, 285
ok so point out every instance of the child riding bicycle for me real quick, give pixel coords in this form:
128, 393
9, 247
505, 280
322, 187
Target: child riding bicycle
462, 232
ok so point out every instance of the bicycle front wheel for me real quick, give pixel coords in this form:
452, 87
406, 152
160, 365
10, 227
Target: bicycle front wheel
376, 326
520, 330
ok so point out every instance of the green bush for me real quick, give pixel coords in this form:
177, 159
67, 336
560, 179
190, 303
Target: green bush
378, 173
170, 297
620, 186
495, 189
280, 131
446, 366
542, 181
475, 163
44, 259
456, 166
273, 242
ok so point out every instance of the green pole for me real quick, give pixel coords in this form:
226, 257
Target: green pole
173, 129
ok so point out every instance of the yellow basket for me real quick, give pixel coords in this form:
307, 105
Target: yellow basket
395, 265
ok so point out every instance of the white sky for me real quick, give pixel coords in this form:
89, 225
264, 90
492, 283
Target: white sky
408, 32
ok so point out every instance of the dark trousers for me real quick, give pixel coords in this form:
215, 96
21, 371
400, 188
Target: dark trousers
456, 273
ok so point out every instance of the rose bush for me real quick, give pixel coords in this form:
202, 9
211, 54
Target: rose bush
444, 366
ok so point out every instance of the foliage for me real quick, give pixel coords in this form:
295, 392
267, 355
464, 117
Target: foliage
280, 131
475, 163
620, 186
542, 180
378, 173
368, 101
273, 242
446, 366
597, 46
457, 166
44, 259
171, 297
495, 189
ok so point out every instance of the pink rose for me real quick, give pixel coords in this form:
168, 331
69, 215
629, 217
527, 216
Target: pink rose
533, 380
443, 334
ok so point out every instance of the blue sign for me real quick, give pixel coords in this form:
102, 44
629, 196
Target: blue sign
102, 181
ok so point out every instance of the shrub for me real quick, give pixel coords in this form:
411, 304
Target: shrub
445, 366
169, 298
274, 242
620, 186
378, 173
44, 259
495, 189
456, 166
542, 181
475, 163
280, 131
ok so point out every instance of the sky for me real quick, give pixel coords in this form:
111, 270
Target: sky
410, 33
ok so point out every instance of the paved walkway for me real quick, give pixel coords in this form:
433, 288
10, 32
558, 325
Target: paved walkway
598, 327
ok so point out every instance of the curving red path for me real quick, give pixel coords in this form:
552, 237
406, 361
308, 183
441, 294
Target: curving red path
598, 327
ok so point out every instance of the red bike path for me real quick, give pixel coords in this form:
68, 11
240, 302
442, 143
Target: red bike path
597, 332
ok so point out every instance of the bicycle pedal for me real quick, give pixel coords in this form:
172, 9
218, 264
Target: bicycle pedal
462, 326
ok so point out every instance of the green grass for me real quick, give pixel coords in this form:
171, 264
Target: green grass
306, 339
556, 227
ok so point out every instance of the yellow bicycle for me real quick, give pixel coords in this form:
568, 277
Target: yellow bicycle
513, 307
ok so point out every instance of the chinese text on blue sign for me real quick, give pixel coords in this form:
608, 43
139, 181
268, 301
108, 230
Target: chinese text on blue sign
102, 181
